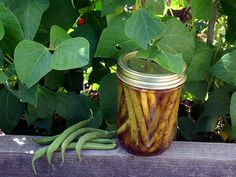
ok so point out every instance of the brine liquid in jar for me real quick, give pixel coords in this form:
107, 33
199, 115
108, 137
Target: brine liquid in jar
146, 118
148, 102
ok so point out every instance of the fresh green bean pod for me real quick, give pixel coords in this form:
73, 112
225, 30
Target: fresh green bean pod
102, 141
59, 140
89, 136
39, 153
86, 146
45, 140
73, 136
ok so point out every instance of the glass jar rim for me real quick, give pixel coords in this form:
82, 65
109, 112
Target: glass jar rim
147, 80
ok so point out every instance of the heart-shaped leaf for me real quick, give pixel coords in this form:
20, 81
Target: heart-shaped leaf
57, 36
141, 27
11, 110
46, 106
113, 41
70, 54
29, 14
111, 6
156, 7
32, 62
26, 95
224, 69
177, 39
201, 9
200, 63
171, 62
71, 107
13, 32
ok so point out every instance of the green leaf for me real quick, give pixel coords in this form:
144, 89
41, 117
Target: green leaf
2, 31
112, 6
95, 19
108, 97
197, 89
89, 102
200, 63
171, 62
97, 113
206, 124
54, 79
1, 59
186, 127
230, 35
32, 62
71, 107
46, 105
11, 110
47, 101
99, 70
29, 14
178, 4
156, 7
26, 95
113, 42
70, 54
142, 28
225, 68
229, 8
233, 111
97, 119
57, 36
44, 124
3, 77
78, 4
88, 33
218, 103
177, 39
201, 9
13, 32
61, 13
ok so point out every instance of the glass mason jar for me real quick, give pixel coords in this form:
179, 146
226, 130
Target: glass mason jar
148, 102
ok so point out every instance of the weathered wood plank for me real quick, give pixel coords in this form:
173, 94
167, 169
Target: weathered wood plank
182, 159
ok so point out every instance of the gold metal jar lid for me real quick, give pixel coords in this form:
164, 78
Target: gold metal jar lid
138, 72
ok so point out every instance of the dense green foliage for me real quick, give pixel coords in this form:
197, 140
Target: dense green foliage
46, 59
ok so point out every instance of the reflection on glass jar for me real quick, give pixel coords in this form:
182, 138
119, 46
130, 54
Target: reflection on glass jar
147, 106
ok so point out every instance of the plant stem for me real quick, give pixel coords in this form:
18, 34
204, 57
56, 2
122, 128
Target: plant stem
138, 4
171, 12
211, 26
210, 37
7, 60
9, 57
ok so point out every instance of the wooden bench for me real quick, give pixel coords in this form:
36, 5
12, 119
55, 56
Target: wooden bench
181, 159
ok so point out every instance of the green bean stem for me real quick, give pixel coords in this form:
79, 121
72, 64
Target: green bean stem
45, 140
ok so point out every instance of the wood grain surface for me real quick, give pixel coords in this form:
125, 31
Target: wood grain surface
182, 159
